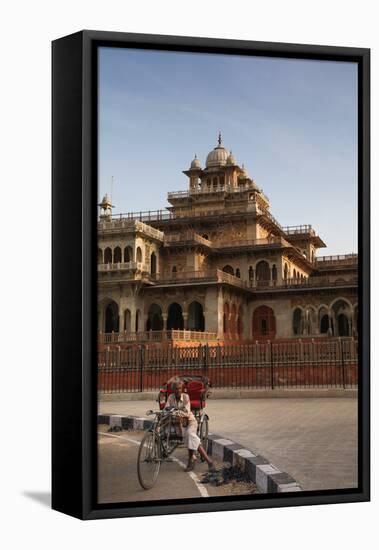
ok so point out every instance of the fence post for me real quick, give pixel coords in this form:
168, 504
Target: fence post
271, 365
205, 359
141, 365
342, 364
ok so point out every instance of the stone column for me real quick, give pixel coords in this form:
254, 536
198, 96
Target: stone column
132, 317
185, 320
164, 317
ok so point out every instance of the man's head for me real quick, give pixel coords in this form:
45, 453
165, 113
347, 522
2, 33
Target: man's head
178, 388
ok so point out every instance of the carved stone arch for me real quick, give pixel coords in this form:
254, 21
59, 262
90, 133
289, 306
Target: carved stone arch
297, 320
263, 323
175, 320
262, 273
154, 317
108, 255
117, 255
196, 319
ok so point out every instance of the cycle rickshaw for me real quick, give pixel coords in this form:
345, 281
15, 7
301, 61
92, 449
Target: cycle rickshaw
164, 435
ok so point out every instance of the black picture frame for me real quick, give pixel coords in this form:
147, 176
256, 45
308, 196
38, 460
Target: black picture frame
74, 176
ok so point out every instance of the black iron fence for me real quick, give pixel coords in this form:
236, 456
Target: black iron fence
324, 363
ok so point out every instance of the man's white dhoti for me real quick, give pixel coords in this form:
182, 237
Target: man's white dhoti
190, 438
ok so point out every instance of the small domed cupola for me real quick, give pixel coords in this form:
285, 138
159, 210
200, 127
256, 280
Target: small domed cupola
218, 156
106, 207
243, 172
231, 161
195, 164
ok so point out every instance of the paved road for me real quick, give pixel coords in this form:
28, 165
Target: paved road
118, 480
314, 440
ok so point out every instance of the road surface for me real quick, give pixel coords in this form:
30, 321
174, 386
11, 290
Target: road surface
118, 481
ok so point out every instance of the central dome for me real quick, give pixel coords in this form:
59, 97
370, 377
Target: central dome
218, 156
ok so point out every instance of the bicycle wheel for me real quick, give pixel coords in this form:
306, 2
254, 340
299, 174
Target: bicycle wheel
203, 434
148, 462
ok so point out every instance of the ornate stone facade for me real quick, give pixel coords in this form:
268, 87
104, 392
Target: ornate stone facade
218, 264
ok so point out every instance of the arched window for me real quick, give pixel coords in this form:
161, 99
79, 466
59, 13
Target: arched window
262, 273
196, 317
174, 270
175, 319
108, 255
138, 317
343, 325
324, 324
139, 254
111, 318
342, 313
294, 273
285, 271
99, 256
297, 321
128, 254
117, 255
154, 318
264, 324
228, 269
251, 273
153, 263
238, 273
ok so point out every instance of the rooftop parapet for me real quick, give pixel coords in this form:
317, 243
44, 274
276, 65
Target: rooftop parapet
339, 260
129, 225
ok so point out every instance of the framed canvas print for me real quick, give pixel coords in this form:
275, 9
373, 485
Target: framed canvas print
210, 274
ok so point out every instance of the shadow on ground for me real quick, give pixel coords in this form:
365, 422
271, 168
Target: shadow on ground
42, 497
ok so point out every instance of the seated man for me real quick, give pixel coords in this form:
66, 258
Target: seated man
181, 401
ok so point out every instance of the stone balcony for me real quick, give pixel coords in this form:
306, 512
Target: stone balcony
338, 261
156, 336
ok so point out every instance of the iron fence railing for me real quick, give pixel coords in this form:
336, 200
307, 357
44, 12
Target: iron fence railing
308, 363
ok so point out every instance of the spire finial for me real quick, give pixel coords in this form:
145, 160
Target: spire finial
219, 138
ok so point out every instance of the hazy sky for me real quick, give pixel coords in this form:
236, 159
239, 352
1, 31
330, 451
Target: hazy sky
293, 123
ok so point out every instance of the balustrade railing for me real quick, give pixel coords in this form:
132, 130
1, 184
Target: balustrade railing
122, 266
340, 259
155, 336
299, 230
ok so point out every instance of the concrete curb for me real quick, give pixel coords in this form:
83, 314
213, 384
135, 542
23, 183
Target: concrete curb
240, 394
267, 477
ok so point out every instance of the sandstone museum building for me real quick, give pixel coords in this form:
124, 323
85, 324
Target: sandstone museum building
216, 266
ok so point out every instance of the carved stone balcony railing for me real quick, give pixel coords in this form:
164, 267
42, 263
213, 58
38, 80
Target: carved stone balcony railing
227, 188
291, 230
155, 336
310, 282
240, 243
122, 266
135, 225
340, 260
175, 239
185, 276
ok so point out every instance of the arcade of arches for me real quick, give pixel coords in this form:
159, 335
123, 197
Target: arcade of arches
337, 319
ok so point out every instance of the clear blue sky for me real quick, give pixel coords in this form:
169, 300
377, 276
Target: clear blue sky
293, 123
